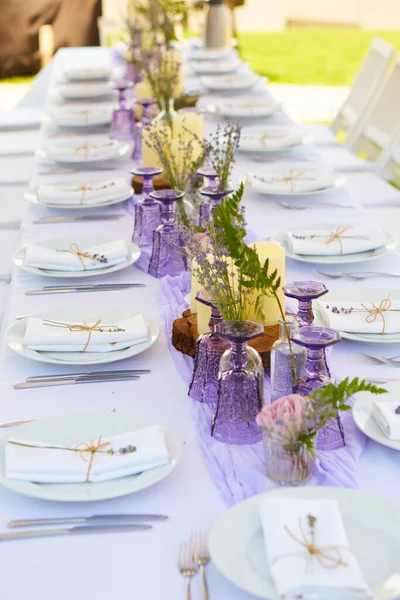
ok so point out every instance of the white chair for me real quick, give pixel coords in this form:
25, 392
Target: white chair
389, 160
374, 132
364, 89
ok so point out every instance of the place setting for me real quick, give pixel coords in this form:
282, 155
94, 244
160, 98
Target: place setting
233, 83
84, 90
264, 142
79, 116
244, 108
82, 74
216, 66
83, 150
291, 181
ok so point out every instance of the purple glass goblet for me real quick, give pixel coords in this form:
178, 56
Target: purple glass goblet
167, 257
209, 349
305, 292
147, 211
214, 199
122, 127
316, 339
240, 386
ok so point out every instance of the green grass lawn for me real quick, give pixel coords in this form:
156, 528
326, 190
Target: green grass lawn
310, 56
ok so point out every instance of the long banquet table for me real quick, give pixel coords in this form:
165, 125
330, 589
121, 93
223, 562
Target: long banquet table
144, 565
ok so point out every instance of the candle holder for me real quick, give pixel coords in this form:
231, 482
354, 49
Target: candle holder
209, 349
143, 121
214, 197
240, 385
316, 340
305, 292
122, 122
147, 211
167, 257
286, 357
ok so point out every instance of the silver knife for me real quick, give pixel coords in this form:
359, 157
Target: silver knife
93, 518
71, 219
378, 380
84, 290
20, 535
93, 285
48, 383
88, 374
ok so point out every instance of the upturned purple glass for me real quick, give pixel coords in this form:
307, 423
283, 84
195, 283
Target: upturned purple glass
214, 199
144, 121
316, 339
209, 349
147, 211
305, 292
240, 385
122, 126
166, 257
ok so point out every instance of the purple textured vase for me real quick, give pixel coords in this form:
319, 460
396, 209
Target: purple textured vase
147, 211
166, 257
144, 121
305, 292
214, 199
316, 339
122, 126
209, 349
240, 385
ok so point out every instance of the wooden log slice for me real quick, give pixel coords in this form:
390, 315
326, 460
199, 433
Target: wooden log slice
160, 182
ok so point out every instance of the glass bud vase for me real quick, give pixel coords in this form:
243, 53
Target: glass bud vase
210, 174
167, 257
287, 463
209, 349
147, 211
240, 385
214, 199
122, 125
287, 359
316, 339
167, 113
305, 292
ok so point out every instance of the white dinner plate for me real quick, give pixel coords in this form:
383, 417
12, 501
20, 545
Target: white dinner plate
79, 116
65, 430
86, 73
82, 242
231, 83
85, 89
357, 257
248, 108
258, 141
367, 297
32, 196
237, 549
199, 53
216, 67
270, 174
362, 414
74, 151
108, 314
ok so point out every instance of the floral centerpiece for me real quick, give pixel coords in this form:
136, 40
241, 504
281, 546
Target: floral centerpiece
290, 424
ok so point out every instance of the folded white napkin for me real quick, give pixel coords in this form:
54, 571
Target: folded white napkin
247, 107
230, 82
87, 89
262, 140
387, 419
44, 465
357, 238
210, 53
75, 258
291, 180
226, 65
81, 116
82, 150
339, 316
294, 571
86, 73
54, 338
83, 193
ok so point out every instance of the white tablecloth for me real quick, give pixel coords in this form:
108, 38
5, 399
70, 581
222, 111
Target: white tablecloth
144, 565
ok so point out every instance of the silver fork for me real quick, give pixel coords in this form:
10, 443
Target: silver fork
200, 548
305, 207
356, 275
381, 360
187, 565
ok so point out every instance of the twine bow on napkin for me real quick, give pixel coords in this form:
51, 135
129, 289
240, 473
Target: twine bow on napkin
80, 254
84, 146
329, 557
377, 311
84, 327
92, 448
292, 177
335, 236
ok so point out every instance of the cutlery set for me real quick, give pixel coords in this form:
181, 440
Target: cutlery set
76, 219
194, 556
77, 378
75, 289
289, 206
394, 361
357, 275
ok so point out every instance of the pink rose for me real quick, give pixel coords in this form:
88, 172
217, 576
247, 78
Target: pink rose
203, 240
285, 416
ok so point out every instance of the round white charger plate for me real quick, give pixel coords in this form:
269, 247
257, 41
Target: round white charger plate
32, 195
362, 414
82, 242
368, 296
65, 430
237, 548
108, 314
338, 259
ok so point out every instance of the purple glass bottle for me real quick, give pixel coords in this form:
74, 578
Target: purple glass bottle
147, 211
214, 199
166, 257
209, 349
145, 103
305, 292
122, 125
316, 339
240, 385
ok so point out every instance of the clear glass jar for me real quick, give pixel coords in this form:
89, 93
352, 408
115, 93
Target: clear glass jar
287, 359
287, 463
